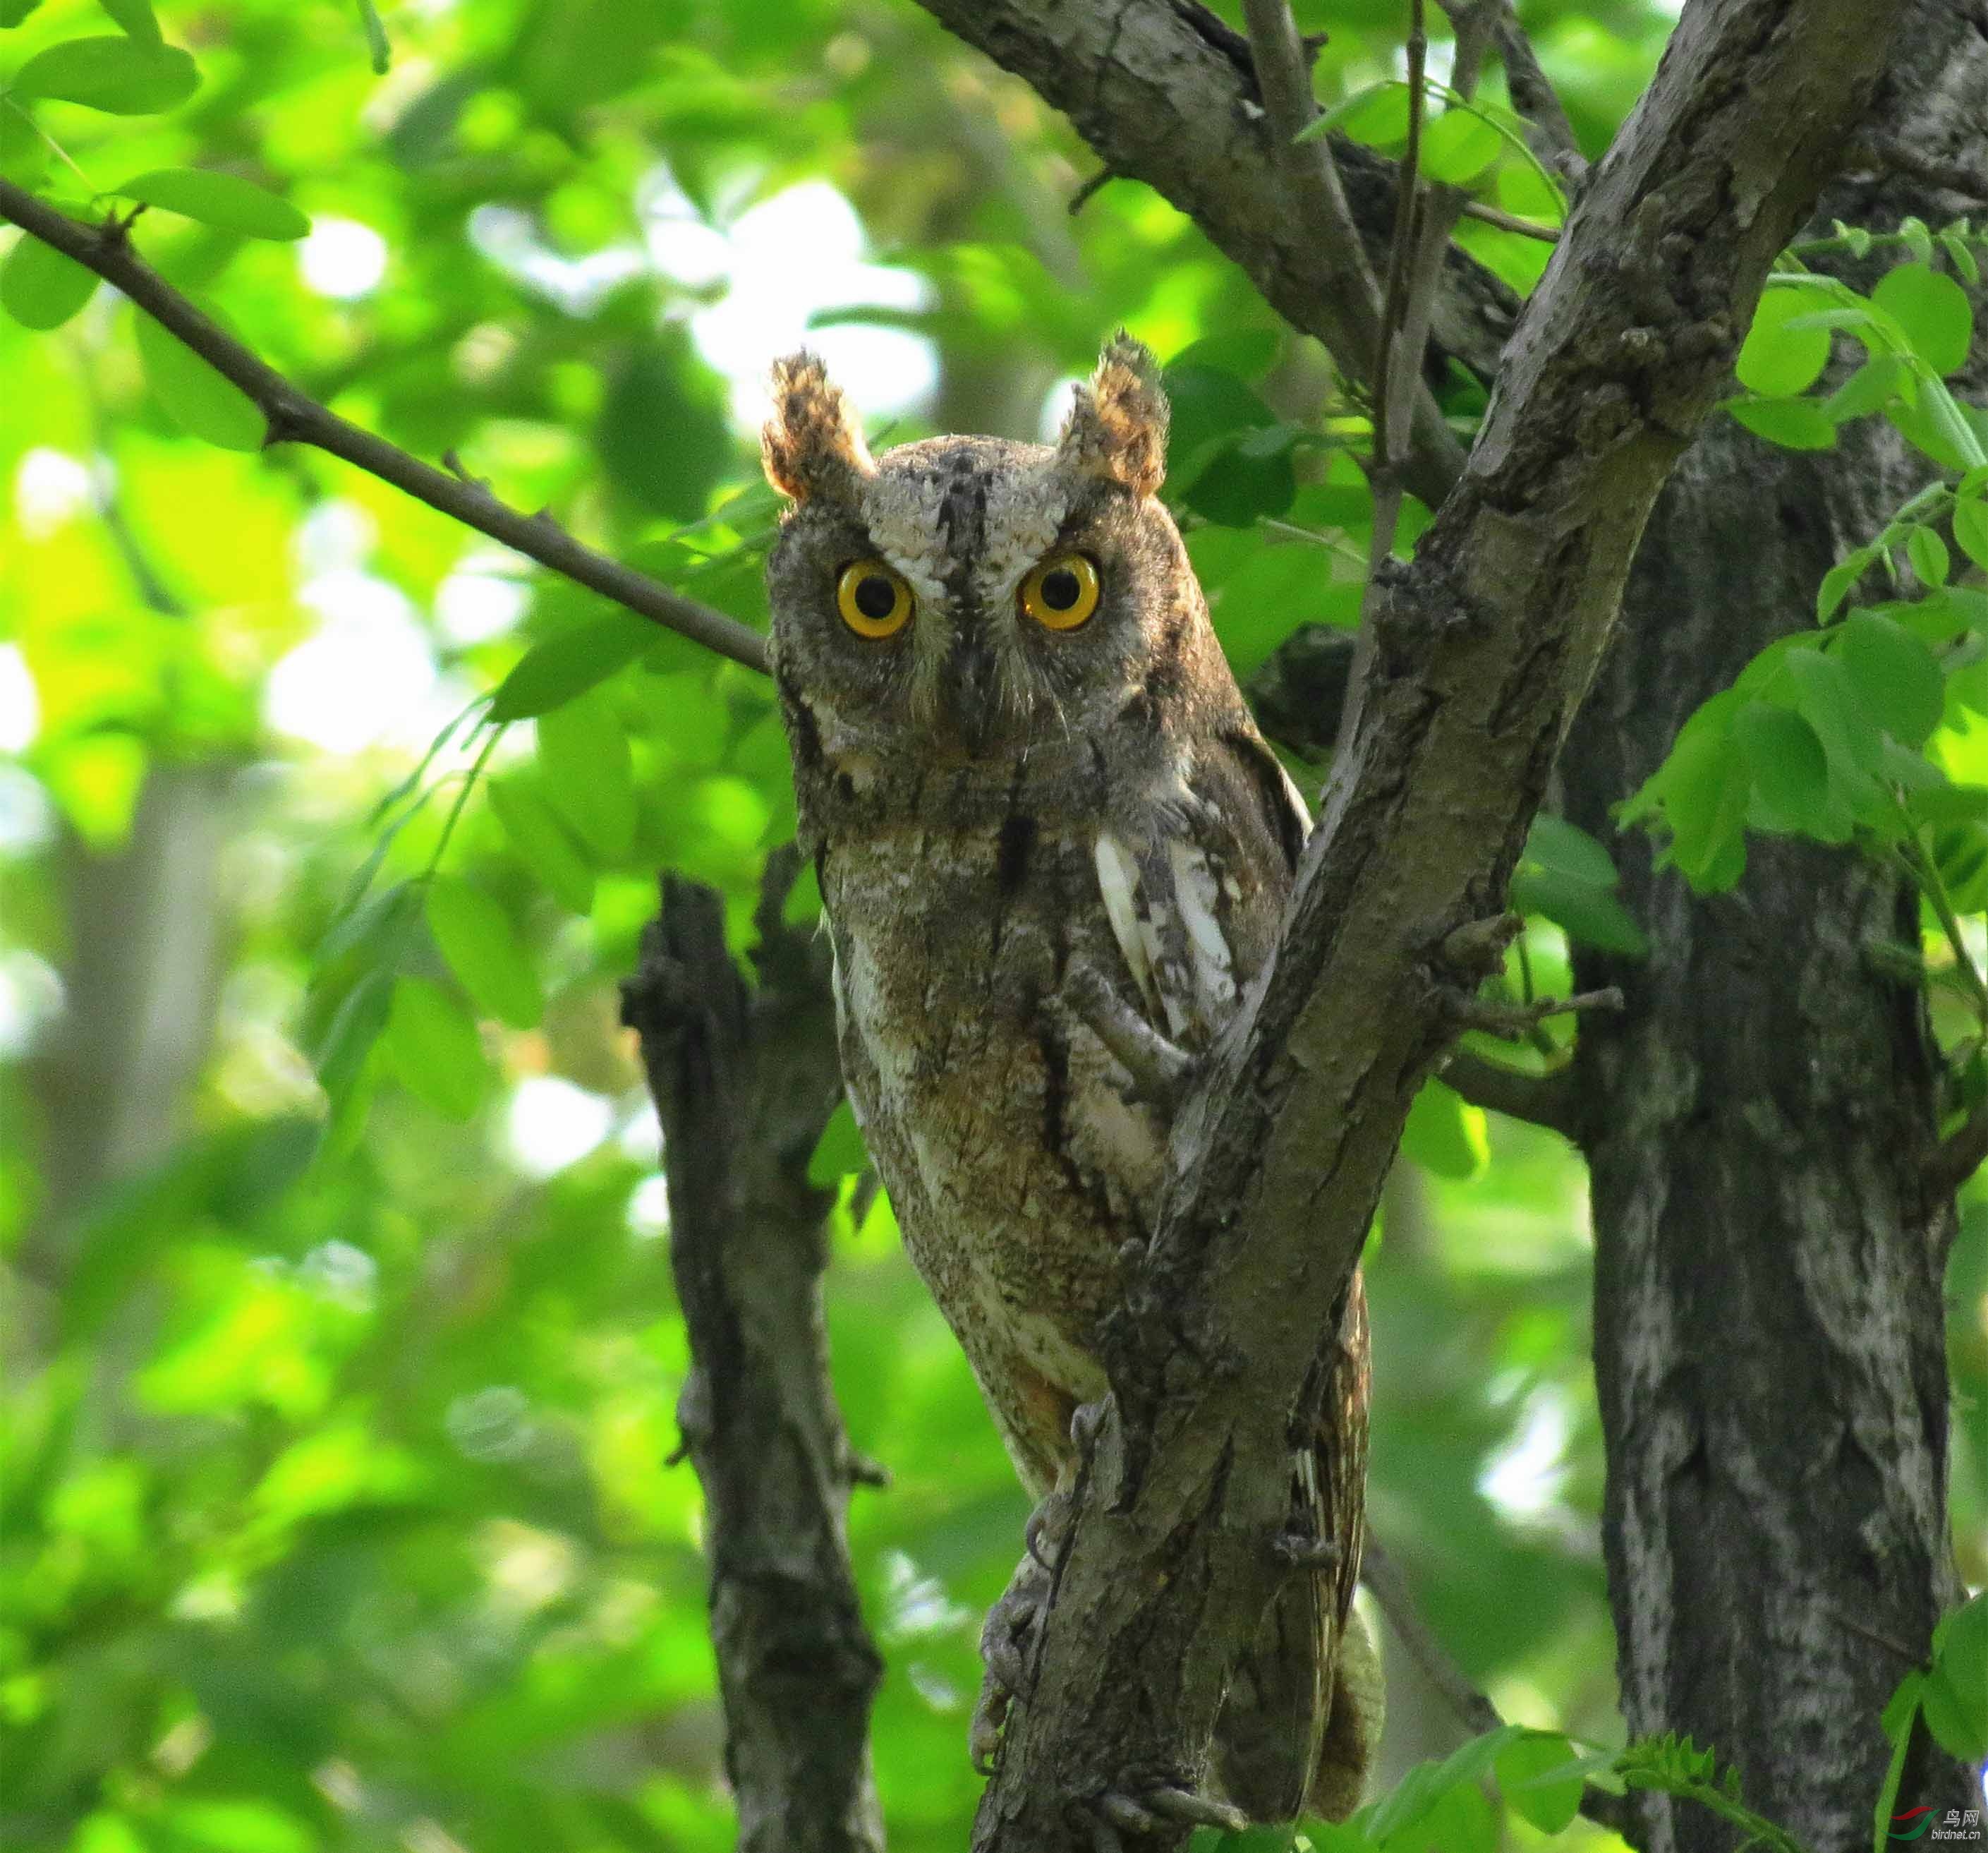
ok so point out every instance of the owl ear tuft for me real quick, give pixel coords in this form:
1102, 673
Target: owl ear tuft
1118, 426
812, 445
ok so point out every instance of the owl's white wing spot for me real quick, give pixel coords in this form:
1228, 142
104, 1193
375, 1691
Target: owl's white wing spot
1118, 882
1196, 892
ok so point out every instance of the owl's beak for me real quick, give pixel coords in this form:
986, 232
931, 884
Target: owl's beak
972, 702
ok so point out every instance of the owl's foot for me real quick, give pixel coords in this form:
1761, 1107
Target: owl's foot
1008, 1639
1162, 1071
1146, 1808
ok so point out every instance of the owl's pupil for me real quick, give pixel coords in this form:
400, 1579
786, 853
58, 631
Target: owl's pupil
1060, 590
875, 597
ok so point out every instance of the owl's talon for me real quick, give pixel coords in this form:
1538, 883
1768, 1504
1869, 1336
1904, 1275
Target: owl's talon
1050, 1520
1087, 1423
1008, 1636
1162, 1071
1202, 1810
1146, 1809
1303, 1553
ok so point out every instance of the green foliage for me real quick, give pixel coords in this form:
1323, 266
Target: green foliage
344, 1356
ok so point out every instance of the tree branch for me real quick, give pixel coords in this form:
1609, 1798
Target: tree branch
1535, 99
1486, 642
1165, 94
1425, 447
1961, 1153
1548, 1100
1475, 1713
295, 418
743, 1081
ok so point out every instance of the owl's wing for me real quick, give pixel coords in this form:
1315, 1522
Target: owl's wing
1194, 897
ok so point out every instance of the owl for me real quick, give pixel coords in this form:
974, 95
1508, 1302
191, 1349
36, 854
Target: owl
1053, 851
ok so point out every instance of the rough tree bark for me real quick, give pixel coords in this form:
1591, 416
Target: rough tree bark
1484, 645
1831, 1273
744, 1079
1760, 1123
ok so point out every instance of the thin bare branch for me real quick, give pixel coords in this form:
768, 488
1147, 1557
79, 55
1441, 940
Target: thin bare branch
1960, 1154
1548, 1100
1475, 1712
1425, 447
1952, 174
1551, 136
295, 418
1511, 222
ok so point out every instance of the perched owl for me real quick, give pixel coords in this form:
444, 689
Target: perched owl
1053, 849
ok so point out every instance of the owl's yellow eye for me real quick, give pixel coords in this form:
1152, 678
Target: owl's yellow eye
874, 601
1062, 592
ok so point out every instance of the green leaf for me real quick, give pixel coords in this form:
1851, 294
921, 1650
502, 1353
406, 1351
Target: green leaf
222, 200
1589, 913
1377, 116
42, 288
1790, 771
839, 1151
1895, 673
1827, 700
121, 77
134, 19
1529, 1775
1793, 424
355, 1027
1928, 556
1838, 580
196, 397
1777, 361
1970, 529
1960, 254
1934, 311
1867, 390
1566, 848
1900, 1711
584, 755
1956, 1698
541, 841
1702, 791
1445, 1134
1418, 1793
474, 936
436, 1050
556, 670
1460, 145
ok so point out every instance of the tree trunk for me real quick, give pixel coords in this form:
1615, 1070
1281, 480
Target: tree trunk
1768, 1318
743, 1081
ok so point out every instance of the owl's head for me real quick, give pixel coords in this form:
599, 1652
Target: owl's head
965, 598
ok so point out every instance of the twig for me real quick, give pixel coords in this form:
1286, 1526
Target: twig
1476, 1713
1953, 174
1535, 99
295, 418
1091, 188
1548, 1100
1511, 222
1424, 217
1959, 1155
1431, 458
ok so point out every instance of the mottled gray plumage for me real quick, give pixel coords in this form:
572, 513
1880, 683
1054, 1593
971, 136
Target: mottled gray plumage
1021, 831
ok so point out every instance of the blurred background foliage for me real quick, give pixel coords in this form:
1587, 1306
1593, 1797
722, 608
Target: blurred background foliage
338, 1511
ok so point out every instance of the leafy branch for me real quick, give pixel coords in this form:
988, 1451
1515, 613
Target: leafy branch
293, 416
